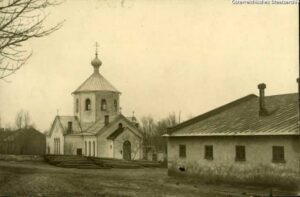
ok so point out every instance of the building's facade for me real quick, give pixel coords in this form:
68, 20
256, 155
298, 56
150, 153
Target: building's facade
22, 142
97, 127
250, 139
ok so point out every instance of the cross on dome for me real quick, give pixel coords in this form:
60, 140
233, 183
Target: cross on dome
96, 45
96, 63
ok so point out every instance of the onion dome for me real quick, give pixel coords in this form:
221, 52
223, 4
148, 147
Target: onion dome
96, 63
96, 82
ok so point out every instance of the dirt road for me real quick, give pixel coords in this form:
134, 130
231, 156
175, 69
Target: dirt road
41, 179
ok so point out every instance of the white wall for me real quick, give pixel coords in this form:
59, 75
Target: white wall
72, 143
135, 142
112, 149
88, 143
258, 155
57, 132
85, 116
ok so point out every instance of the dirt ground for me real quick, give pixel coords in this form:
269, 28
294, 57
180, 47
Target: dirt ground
42, 179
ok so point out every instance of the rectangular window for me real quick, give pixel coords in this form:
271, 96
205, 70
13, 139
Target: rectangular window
93, 148
240, 153
58, 142
209, 152
278, 153
182, 151
90, 148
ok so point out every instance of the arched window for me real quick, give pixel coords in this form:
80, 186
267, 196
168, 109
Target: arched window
116, 105
87, 104
77, 105
103, 105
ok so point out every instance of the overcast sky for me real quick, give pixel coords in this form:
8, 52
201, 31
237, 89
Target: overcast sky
164, 56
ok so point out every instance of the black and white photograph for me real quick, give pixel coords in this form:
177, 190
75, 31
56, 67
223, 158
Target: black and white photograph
149, 98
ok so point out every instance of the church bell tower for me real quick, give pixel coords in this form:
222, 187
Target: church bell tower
96, 98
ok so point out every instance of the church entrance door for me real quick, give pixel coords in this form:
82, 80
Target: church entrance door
79, 151
127, 150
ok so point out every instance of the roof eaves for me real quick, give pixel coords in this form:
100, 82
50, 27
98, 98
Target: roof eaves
83, 91
82, 84
131, 124
51, 129
62, 127
230, 135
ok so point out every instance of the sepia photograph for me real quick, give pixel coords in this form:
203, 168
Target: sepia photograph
149, 98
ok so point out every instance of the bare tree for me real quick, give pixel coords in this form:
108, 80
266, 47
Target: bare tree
152, 132
20, 21
22, 120
148, 128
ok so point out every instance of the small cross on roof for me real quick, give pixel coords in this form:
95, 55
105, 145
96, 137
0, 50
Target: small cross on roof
96, 45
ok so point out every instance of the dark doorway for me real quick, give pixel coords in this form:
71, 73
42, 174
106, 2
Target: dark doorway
79, 151
127, 150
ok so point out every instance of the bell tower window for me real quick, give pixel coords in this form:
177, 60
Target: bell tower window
87, 104
77, 105
103, 105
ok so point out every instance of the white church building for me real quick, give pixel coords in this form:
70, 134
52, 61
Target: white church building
97, 127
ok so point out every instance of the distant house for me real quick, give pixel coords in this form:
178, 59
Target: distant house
22, 142
97, 127
248, 139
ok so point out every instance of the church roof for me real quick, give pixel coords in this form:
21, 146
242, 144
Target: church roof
96, 82
64, 120
95, 128
116, 133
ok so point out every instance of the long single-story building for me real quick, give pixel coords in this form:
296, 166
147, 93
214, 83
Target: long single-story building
252, 139
22, 142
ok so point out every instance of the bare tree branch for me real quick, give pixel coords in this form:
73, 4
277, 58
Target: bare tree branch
20, 21
22, 120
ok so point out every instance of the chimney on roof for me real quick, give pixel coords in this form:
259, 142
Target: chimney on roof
70, 127
106, 120
262, 105
120, 125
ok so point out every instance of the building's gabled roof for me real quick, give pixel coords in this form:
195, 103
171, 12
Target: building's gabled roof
241, 118
96, 82
64, 123
129, 125
4, 136
97, 126
120, 130
116, 133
